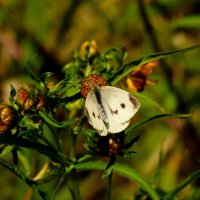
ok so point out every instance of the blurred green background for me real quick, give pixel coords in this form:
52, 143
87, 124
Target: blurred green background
47, 31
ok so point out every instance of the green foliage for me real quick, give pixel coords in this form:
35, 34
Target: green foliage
52, 148
30, 127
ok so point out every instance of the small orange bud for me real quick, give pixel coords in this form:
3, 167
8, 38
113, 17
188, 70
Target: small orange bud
93, 79
8, 118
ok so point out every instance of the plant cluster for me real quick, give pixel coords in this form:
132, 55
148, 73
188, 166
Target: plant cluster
47, 115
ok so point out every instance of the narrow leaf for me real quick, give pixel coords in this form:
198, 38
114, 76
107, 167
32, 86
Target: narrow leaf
12, 91
6, 149
30, 73
85, 158
126, 69
107, 172
45, 76
53, 154
12, 94
53, 122
109, 168
137, 125
191, 21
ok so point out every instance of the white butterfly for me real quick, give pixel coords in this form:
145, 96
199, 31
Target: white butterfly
109, 109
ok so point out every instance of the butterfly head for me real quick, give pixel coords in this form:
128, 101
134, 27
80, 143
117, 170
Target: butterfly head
90, 83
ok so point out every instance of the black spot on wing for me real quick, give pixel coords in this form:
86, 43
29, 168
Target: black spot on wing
93, 114
133, 101
123, 105
113, 111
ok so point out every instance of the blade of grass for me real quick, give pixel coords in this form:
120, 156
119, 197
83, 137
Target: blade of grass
182, 185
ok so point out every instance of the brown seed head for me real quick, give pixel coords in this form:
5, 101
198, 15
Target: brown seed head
8, 118
26, 101
93, 79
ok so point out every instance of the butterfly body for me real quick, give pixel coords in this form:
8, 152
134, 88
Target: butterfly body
109, 109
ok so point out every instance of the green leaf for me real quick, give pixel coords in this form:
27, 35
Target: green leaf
109, 169
15, 157
25, 162
71, 88
107, 172
126, 69
12, 91
90, 133
132, 142
122, 170
50, 152
137, 125
53, 122
128, 154
12, 94
189, 22
80, 125
6, 149
30, 73
25, 179
58, 88
182, 185
70, 69
85, 158
45, 76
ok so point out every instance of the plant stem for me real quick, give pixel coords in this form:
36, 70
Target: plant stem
72, 177
73, 146
108, 194
74, 185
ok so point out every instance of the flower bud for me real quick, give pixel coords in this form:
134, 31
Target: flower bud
139, 78
110, 145
28, 101
8, 118
88, 50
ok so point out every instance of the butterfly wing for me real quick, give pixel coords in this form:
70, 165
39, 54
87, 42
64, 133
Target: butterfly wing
93, 114
113, 125
120, 107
